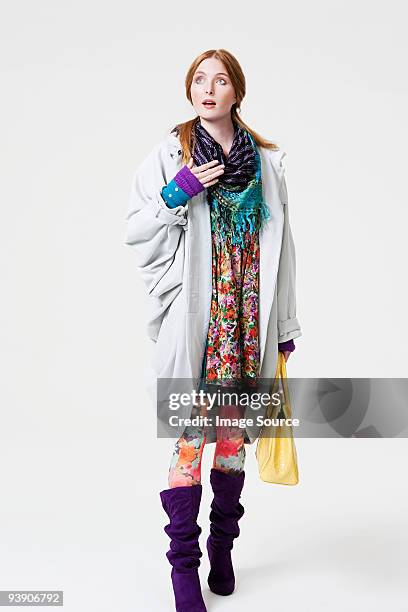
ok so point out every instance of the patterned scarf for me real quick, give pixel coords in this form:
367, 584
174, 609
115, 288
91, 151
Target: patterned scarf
237, 196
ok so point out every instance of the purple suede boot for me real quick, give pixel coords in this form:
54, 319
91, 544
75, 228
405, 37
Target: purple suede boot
224, 516
182, 505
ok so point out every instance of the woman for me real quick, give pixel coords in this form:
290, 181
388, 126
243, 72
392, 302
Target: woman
208, 220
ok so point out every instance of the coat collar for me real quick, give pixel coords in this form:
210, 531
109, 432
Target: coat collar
173, 144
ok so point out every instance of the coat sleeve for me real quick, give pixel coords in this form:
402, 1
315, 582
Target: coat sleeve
288, 324
156, 234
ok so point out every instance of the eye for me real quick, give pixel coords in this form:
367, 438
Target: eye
197, 79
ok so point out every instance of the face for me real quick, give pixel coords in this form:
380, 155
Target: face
211, 82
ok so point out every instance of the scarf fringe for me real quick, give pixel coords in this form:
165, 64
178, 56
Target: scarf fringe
234, 223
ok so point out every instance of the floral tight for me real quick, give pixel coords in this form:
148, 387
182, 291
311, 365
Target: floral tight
229, 453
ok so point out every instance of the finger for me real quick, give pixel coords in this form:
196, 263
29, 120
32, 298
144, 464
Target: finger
208, 180
209, 174
190, 163
212, 183
209, 164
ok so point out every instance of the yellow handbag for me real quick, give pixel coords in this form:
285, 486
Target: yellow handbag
276, 451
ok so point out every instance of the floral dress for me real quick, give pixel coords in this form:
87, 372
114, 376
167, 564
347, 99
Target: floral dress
232, 349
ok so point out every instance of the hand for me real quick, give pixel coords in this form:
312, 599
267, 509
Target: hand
286, 354
207, 173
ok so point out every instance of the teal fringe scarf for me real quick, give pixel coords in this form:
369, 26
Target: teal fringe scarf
240, 210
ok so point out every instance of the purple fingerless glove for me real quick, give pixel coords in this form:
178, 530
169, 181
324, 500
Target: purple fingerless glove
188, 182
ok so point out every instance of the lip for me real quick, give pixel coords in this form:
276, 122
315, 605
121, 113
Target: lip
209, 100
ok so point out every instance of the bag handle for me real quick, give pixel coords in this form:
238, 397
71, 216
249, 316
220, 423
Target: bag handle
284, 379
271, 409
281, 373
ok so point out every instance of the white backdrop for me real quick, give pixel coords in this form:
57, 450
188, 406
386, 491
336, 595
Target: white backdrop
88, 89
